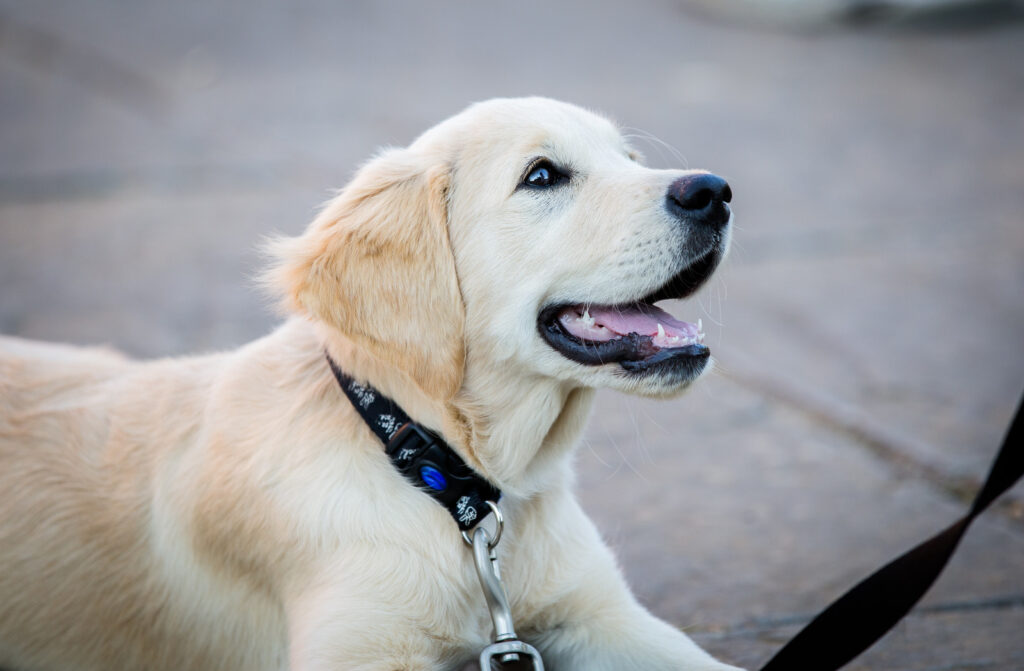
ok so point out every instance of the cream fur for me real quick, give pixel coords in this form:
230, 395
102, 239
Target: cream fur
232, 512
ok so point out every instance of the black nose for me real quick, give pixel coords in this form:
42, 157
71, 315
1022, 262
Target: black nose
701, 199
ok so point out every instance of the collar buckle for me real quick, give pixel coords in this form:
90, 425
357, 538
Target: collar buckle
424, 458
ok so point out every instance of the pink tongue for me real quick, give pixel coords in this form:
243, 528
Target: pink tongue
640, 319
623, 320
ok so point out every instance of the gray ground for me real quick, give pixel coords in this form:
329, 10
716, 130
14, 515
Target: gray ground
868, 325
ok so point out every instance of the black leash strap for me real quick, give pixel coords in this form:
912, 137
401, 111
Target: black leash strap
861, 616
421, 455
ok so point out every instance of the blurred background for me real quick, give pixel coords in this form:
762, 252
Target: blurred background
868, 325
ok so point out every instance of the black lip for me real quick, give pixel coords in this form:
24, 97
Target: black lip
689, 279
678, 365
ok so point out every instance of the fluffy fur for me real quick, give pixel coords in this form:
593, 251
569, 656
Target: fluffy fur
232, 511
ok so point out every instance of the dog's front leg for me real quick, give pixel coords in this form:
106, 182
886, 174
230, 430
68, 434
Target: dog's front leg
358, 641
598, 625
628, 640
350, 643
370, 610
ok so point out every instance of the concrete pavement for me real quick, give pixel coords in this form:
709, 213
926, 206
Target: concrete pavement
868, 325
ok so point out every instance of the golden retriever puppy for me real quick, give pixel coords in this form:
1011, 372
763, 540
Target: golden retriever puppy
234, 512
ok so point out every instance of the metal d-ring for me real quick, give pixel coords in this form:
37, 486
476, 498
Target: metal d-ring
499, 527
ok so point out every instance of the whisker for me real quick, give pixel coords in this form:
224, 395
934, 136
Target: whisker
656, 142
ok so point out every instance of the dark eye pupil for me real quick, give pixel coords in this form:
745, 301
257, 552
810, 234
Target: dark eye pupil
540, 177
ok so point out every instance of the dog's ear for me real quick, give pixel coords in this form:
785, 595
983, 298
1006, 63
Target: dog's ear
377, 265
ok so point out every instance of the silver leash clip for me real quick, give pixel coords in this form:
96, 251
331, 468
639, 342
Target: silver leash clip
507, 648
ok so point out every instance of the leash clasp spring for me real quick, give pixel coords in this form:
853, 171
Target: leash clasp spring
507, 647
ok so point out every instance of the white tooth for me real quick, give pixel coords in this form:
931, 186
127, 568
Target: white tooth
661, 331
586, 319
700, 338
700, 325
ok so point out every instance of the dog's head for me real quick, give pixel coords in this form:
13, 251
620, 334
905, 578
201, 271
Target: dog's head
520, 235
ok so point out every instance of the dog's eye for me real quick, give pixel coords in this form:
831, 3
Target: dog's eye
543, 175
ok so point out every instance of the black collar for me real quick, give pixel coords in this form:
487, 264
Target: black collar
421, 455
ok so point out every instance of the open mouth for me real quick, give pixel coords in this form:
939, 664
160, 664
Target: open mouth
638, 336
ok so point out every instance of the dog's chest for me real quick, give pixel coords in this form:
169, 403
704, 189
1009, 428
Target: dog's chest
430, 593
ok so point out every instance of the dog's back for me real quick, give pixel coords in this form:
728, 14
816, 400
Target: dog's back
54, 404
84, 433
53, 426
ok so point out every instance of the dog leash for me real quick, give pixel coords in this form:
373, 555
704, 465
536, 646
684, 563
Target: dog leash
429, 463
871, 608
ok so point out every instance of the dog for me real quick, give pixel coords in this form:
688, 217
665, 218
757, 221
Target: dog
232, 511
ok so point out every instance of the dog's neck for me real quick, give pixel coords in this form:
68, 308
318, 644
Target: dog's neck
525, 431
519, 438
